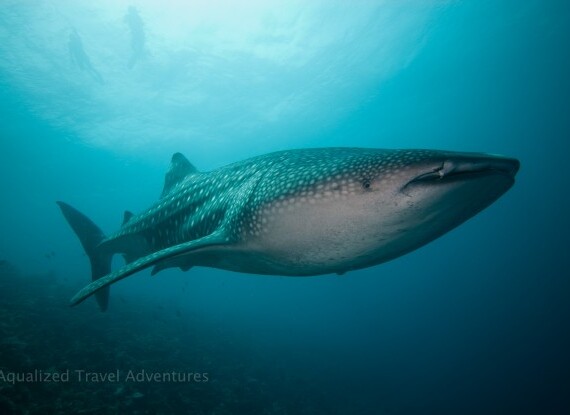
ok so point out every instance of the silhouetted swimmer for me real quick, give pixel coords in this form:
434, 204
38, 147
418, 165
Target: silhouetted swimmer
80, 58
136, 25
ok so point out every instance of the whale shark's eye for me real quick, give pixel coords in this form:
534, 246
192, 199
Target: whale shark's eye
366, 183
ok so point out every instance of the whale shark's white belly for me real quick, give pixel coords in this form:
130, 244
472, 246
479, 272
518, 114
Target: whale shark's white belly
310, 238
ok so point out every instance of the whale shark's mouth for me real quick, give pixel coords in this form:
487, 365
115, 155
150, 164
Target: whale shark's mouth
463, 168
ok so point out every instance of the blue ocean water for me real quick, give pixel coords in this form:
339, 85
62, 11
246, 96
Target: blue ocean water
96, 96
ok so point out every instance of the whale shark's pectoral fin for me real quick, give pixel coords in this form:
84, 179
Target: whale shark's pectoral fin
217, 238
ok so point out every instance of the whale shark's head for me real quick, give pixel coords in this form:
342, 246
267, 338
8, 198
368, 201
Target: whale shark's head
471, 180
418, 195
333, 210
440, 182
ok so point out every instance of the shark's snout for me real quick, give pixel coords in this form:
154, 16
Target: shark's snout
468, 166
481, 164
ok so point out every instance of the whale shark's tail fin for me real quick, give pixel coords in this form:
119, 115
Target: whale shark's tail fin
90, 236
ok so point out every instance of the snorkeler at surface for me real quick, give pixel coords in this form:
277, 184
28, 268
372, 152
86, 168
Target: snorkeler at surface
80, 58
136, 25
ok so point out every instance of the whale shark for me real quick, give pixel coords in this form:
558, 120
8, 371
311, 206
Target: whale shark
295, 213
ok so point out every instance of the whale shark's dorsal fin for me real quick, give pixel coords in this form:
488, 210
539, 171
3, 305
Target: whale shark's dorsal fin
179, 168
127, 216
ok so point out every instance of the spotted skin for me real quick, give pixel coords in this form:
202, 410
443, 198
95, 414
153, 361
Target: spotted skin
196, 207
306, 212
